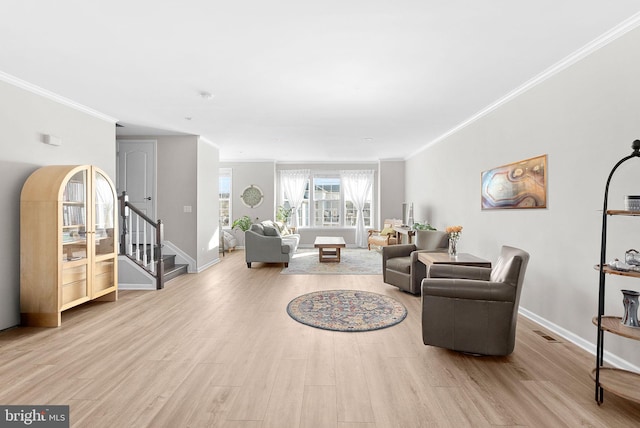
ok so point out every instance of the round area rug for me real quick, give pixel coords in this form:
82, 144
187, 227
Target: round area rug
346, 310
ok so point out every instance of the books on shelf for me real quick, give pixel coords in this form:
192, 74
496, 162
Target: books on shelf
73, 215
74, 192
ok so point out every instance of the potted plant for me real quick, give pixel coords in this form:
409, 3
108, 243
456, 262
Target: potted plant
283, 214
243, 223
423, 226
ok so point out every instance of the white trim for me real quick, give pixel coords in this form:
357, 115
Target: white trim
139, 279
208, 141
149, 287
54, 97
331, 162
208, 265
606, 38
181, 256
610, 358
184, 258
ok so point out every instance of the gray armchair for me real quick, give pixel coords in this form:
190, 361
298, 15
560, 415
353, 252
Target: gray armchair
474, 309
400, 265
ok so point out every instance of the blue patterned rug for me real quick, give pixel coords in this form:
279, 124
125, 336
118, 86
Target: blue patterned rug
346, 310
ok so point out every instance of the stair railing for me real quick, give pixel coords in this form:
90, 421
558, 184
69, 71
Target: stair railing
141, 239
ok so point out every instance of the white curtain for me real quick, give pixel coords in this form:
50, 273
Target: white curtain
293, 182
357, 188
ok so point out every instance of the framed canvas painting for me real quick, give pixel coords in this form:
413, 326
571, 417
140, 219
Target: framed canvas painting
520, 184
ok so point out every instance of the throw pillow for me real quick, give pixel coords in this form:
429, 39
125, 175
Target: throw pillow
270, 230
258, 228
284, 230
388, 231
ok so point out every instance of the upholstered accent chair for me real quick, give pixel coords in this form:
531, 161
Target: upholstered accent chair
474, 309
400, 265
385, 236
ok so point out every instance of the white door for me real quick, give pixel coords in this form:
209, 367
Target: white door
137, 176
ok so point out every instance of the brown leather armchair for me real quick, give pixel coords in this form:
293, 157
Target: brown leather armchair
474, 309
400, 265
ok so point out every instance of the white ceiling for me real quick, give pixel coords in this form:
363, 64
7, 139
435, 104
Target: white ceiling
292, 80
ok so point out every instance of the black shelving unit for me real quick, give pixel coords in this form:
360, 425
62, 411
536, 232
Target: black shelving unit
620, 382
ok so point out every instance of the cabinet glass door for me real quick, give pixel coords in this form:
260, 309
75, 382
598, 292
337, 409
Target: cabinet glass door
74, 218
104, 215
74, 239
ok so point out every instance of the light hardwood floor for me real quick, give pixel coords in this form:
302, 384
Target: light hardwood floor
218, 349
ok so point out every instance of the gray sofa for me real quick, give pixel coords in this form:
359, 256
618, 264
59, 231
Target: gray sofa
266, 243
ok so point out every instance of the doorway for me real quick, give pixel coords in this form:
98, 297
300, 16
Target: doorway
136, 175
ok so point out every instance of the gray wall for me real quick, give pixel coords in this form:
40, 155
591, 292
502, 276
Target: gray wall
178, 187
266, 176
585, 118
391, 190
244, 174
24, 118
187, 176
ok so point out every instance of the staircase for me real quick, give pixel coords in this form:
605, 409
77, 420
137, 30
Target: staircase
144, 249
171, 269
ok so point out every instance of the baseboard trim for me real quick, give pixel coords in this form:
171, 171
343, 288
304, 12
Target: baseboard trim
123, 286
181, 256
208, 265
609, 358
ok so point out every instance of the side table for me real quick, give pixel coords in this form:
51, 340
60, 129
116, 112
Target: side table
463, 259
404, 231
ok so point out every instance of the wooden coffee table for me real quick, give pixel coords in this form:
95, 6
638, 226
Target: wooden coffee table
329, 248
464, 259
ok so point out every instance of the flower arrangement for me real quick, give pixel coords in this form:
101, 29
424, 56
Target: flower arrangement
454, 232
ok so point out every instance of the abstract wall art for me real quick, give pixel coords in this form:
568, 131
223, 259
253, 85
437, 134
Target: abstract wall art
520, 184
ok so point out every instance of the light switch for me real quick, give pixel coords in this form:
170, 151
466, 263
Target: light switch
187, 208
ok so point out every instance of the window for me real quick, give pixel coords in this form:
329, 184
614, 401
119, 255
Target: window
325, 204
224, 190
351, 214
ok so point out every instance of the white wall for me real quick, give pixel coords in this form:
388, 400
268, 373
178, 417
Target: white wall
208, 230
585, 118
24, 118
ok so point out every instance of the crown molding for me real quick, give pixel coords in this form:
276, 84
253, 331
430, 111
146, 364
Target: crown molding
615, 33
12, 80
208, 141
336, 162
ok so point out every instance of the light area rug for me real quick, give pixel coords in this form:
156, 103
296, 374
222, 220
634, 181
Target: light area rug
353, 261
346, 310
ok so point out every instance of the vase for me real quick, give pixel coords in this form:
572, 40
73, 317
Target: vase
453, 247
630, 302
